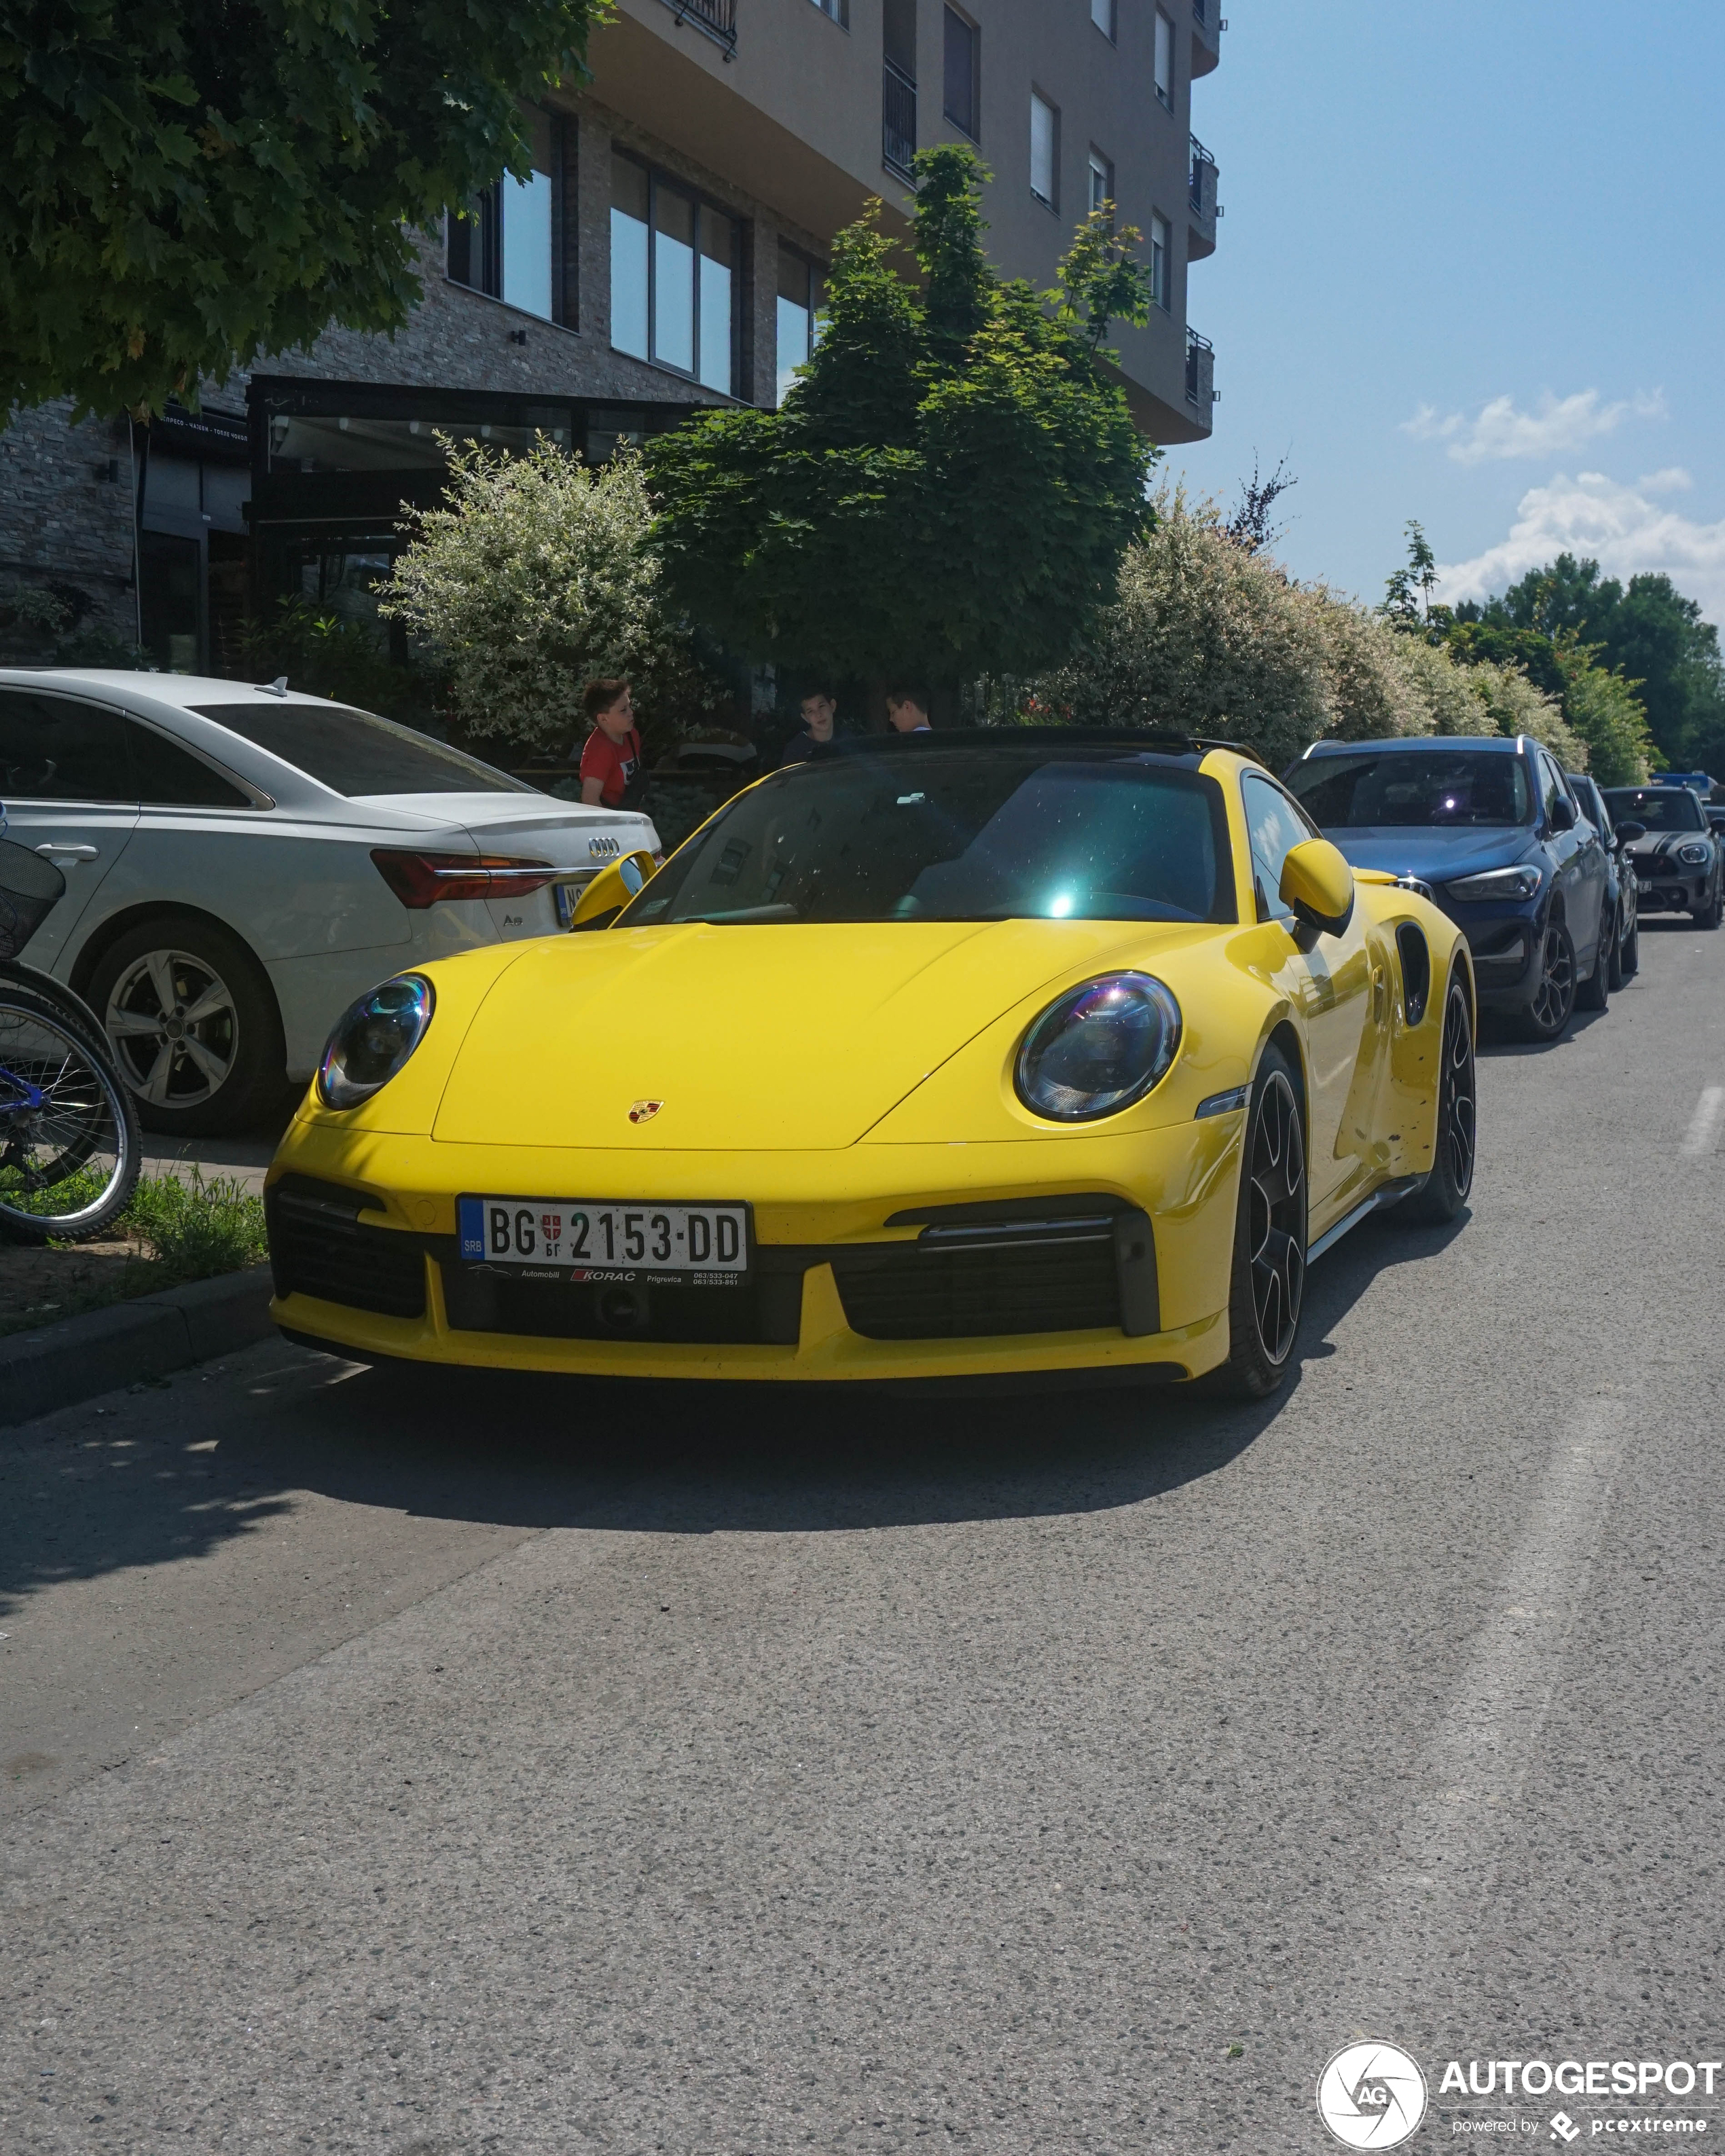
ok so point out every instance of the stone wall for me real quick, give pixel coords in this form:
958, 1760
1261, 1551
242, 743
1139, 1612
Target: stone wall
65, 512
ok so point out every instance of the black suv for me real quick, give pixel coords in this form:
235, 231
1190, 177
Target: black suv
1677, 860
1492, 827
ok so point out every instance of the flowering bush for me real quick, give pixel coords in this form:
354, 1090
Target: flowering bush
1208, 636
534, 580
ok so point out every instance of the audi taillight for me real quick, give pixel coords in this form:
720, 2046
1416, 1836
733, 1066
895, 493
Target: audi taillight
421, 879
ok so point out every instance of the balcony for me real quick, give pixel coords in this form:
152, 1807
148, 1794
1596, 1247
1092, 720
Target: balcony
1200, 377
716, 19
1208, 25
1201, 212
898, 119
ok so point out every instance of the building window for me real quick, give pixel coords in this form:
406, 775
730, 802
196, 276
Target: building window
839, 10
674, 260
1044, 151
505, 244
798, 297
1104, 13
1160, 278
1101, 181
963, 74
1165, 59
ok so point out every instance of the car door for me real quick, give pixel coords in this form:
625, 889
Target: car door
1331, 979
1572, 865
66, 781
1596, 861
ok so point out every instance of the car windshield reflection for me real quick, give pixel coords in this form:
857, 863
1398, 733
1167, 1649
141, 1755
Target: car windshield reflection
984, 833
1658, 807
1400, 789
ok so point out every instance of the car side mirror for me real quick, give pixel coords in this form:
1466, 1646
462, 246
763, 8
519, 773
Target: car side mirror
1627, 833
1562, 815
1317, 886
611, 890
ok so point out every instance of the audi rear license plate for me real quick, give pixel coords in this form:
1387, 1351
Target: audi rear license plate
598, 1239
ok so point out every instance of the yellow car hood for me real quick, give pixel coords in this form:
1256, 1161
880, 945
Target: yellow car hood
780, 1036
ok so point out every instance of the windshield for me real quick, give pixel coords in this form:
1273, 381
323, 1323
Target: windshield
1659, 808
956, 835
357, 753
1435, 788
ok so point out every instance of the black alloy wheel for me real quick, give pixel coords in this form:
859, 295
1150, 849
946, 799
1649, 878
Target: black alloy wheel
1554, 998
1618, 972
1595, 991
1268, 1274
1451, 1178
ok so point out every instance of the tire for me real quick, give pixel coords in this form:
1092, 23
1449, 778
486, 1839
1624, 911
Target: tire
1267, 1280
225, 1064
1618, 972
1594, 993
69, 1143
1709, 915
1446, 1188
1553, 1004
1629, 948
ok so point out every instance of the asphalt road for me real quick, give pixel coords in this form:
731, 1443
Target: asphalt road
412, 1766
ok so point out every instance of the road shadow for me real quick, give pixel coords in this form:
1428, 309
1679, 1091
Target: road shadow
173, 1474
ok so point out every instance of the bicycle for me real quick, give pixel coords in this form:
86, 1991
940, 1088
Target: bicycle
69, 1143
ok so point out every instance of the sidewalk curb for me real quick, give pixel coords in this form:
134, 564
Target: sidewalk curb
147, 1338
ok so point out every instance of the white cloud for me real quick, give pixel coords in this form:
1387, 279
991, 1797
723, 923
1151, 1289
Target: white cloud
1626, 529
1498, 429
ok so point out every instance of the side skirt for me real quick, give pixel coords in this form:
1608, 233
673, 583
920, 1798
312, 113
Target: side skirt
1388, 1193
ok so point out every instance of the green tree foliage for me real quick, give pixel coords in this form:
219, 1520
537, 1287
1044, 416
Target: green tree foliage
186, 183
534, 579
1648, 631
949, 485
1208, 634
1539, 631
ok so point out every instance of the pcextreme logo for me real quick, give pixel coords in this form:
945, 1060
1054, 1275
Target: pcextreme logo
1371, 2096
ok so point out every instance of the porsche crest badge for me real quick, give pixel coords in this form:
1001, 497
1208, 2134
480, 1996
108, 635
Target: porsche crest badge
644, 1111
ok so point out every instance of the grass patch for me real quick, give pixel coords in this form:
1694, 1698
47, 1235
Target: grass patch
178, 1229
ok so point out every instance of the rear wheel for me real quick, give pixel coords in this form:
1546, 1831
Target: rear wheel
1595, 992
1618, 972
1708, 915
1554, 999
69, 1146
193, 1025
1268, 1281
1451, 1178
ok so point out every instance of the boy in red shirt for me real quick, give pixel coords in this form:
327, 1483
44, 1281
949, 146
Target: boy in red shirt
611, 760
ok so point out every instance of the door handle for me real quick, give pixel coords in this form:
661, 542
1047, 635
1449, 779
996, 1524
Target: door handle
69, 852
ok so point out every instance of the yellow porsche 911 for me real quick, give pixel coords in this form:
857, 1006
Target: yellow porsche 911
982, 1054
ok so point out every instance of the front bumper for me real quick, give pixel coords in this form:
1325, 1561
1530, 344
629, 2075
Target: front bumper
1503, 941
828, 1263
1662, 887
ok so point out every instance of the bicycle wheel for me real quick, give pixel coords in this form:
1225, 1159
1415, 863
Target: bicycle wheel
69, 1145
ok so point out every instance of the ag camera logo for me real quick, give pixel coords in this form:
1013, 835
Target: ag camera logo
1371, 2096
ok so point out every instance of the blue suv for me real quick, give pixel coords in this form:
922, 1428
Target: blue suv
1491, 826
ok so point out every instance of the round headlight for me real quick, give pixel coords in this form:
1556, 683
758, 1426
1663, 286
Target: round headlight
372, 1039
1695, 854
1099, 1048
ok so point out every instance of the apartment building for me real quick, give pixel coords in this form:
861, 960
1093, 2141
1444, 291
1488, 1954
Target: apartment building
667, 253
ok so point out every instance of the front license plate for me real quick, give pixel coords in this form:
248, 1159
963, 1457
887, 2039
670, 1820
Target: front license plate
585, 1238
1641, 886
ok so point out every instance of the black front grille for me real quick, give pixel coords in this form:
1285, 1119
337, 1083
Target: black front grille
320, 1245
909, 1292
478, 1299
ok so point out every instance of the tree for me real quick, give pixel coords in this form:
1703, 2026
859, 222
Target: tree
187, 184
1250, 526
533, 580
949, 485
1421, 575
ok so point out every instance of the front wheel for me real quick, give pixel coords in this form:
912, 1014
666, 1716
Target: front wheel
193, 1025
1267, 1285
69, 1145
1709, 915
1554, 998
1631, 947
1451, 1178
1595, 991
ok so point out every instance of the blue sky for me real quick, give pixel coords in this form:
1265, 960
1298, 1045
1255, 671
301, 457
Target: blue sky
1471, 271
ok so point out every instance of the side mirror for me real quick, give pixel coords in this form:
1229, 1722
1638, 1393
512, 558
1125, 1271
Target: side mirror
611, 890
1317, 886
1627, 833
1562, 815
